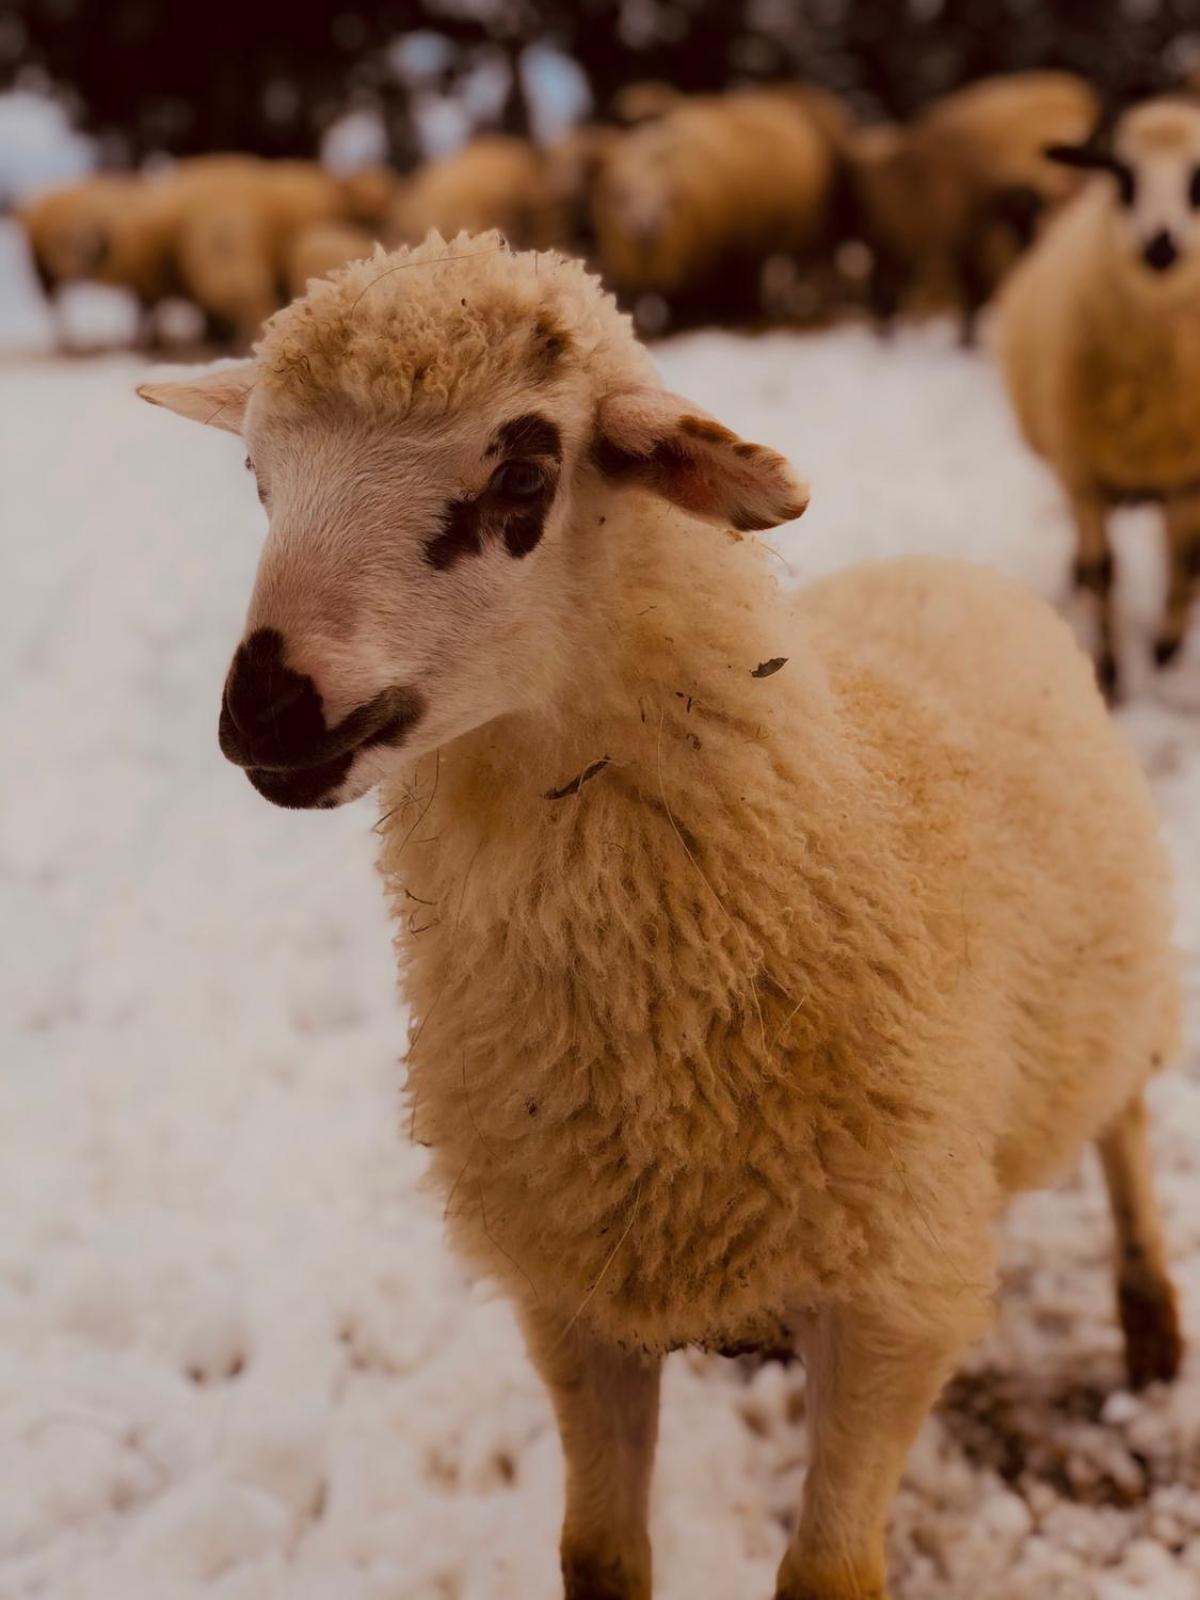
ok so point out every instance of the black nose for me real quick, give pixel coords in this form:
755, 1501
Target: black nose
270, 715
1161, 253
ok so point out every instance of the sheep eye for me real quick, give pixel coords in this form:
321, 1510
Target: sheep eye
1126, 183
262, 493
518, 480
1194, 188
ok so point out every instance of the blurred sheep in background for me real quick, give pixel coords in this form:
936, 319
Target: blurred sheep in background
495, 181
690, 205
1098, 333
753, 205
947, 203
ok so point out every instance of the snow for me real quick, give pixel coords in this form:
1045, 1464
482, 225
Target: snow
38, 145
236, 1359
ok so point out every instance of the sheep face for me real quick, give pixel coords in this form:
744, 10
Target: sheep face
409, 587
428, 547
1153, 208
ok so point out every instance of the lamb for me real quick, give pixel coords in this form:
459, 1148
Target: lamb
688, 207
758, 945
1099, 339
495, 181
947, 203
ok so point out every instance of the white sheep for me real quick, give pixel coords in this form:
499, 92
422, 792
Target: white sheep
1099, 337
759, 945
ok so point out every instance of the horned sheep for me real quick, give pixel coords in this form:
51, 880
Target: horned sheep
758, 944
1099, 338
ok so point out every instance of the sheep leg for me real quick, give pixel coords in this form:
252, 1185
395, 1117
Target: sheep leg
974, 291
1145, 1294
1094, 572
606, 1401
1183, 556
886, 288
870, 1386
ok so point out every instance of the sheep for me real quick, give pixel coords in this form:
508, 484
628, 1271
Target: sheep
220, 230
689, 206
758, 945
495, 181
102, 229
317, 250
368, 196
572, 166
643, 101
235, 222
1098, 334
947, 204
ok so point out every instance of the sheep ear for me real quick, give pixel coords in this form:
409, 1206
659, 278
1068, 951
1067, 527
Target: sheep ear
669, 446
216, 396
1085, 157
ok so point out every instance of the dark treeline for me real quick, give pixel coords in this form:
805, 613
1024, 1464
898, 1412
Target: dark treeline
269, 77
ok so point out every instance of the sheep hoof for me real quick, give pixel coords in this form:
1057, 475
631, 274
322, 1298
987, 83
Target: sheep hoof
1108, 677
1153, 1342
1165, 651
591, 1577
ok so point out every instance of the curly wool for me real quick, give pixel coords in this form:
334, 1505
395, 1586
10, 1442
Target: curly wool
806, 973
441, 325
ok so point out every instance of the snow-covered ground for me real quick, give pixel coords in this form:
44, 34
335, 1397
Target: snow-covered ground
236, 1361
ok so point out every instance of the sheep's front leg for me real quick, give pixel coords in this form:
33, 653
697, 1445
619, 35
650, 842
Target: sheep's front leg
606, 1400
869, 1388
1183, 559
1094, 573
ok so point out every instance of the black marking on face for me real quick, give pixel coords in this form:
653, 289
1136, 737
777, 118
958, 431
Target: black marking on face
523, 532
1194, 189
1092, 156
530, 435
273, 724
461, 534
513, 507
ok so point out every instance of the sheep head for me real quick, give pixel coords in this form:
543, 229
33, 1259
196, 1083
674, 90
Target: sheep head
1153, 203
424, 428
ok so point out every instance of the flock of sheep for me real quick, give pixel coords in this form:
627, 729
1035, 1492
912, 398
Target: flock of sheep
757, 203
